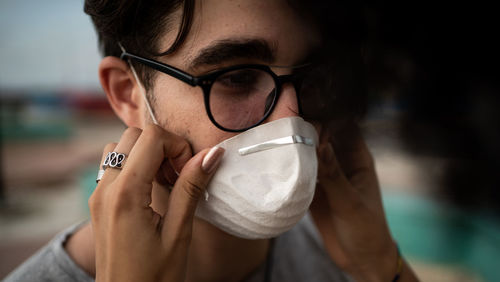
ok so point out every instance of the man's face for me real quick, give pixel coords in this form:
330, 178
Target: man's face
222, 34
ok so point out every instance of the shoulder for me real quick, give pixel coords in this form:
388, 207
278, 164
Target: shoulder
51, 263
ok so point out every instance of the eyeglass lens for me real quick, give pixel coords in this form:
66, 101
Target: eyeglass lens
315, 88
241, 98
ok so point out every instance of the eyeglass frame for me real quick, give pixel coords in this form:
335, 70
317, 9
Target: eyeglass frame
205, 82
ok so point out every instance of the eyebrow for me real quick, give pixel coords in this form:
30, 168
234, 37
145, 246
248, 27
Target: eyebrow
230, 49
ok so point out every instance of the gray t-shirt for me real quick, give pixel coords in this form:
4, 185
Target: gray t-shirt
298, 255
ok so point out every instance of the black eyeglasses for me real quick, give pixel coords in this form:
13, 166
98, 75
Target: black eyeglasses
236, 98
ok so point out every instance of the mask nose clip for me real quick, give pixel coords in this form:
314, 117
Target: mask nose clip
274, 143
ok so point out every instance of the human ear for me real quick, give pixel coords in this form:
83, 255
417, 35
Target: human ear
122, 90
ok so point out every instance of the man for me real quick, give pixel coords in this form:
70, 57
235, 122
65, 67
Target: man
143, 225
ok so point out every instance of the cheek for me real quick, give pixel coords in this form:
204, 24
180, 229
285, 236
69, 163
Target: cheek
177, 102
180, 109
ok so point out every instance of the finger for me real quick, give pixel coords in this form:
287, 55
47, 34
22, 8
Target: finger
127, 141
352, 151
108, 148
159, 198
95, 200
357, 162
184, 197
341, 195
169, 173
164, 176
153, 147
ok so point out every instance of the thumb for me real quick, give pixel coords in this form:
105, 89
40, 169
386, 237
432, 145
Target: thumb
188, 188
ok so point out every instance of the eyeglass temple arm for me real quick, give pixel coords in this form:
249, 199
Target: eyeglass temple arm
172, 71
291, 78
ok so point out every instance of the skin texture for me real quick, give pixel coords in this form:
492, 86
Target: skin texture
142, 232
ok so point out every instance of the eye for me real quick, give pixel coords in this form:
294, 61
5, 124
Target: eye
240, 79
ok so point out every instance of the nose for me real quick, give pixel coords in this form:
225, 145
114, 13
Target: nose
287, 104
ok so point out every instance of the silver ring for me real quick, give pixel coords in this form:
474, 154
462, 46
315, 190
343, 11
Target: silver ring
100, 173
114, 160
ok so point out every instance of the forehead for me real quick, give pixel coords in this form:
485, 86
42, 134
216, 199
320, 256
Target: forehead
272, 21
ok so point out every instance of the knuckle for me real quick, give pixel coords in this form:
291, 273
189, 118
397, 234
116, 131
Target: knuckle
132, 132
119, 204
122, 196
153, 130
192, 189
153, 133
116, 199
94, 203
184, 146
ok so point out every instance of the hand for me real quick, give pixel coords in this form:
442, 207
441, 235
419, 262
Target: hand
134, 242
347, 207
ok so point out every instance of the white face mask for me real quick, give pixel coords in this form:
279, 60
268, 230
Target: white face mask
265, 181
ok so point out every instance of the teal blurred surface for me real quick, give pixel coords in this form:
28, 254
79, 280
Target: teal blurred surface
434, 232
35, 117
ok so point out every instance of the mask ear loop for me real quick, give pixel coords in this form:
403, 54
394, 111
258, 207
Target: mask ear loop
150, 110
142, 89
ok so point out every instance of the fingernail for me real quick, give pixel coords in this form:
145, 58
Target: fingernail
212, 159
327, 153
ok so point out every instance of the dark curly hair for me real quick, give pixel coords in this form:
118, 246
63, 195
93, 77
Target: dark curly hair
139, 25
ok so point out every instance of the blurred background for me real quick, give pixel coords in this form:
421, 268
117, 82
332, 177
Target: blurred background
433, 126
54, 122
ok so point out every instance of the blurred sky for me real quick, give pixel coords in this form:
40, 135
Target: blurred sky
47, 45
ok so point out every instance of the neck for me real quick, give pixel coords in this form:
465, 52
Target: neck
217, 256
